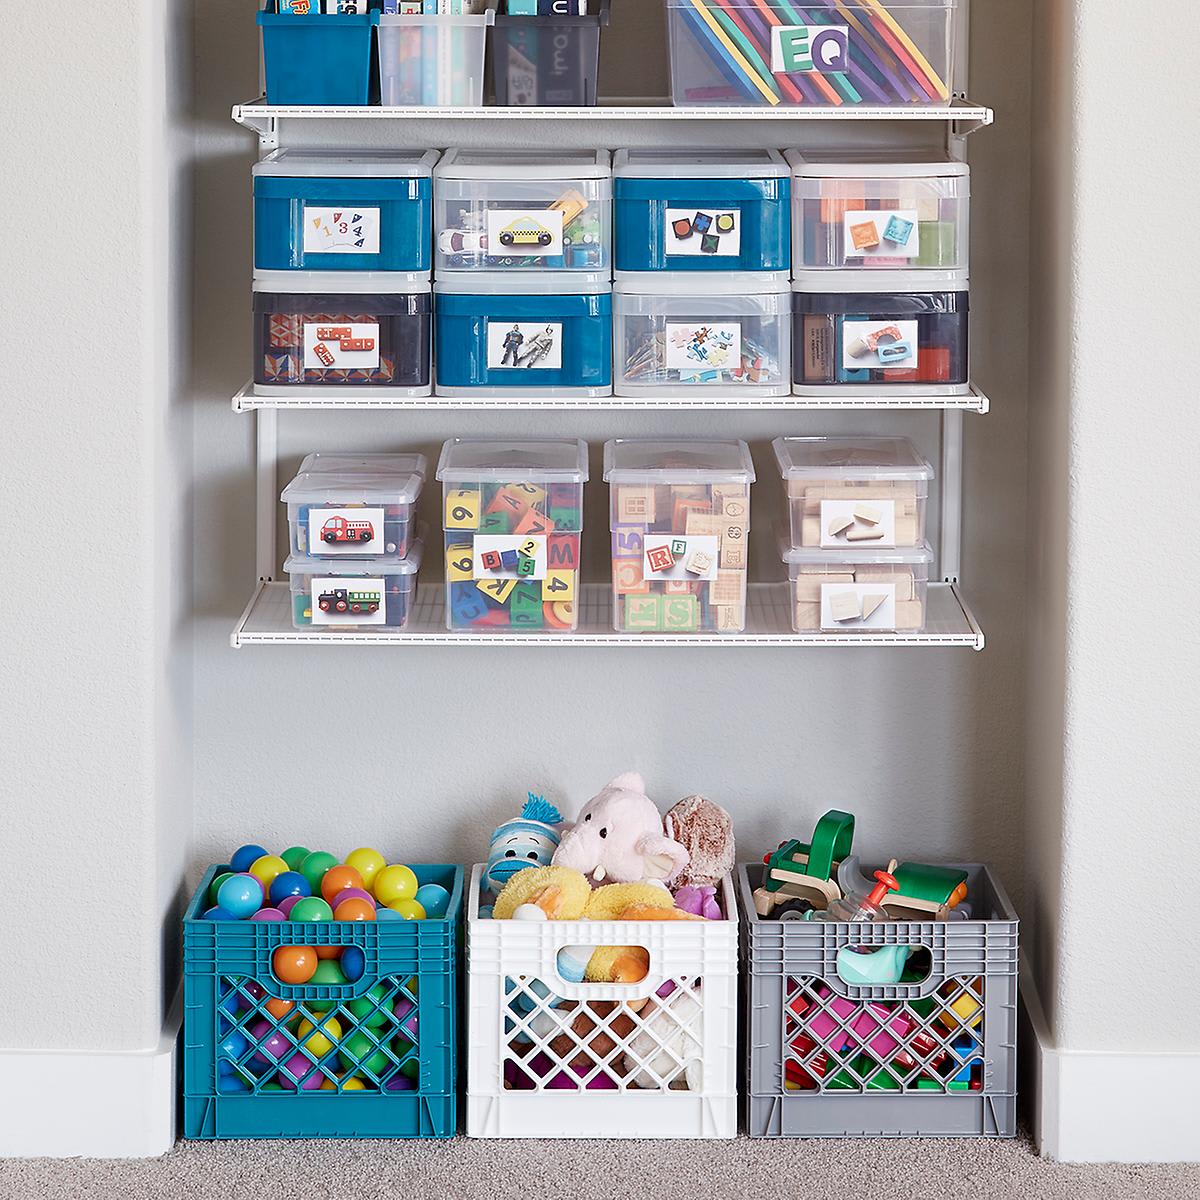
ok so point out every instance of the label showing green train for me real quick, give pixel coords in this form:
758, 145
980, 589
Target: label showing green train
343, 602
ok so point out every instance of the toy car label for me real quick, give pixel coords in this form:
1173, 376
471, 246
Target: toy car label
341, 230
525, 345
346, 600
506, 556
875, 345
667, 556
345, 531
536, 233
341, 346
883, 233
703, 232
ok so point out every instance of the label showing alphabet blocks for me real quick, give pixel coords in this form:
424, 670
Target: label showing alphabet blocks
510, 556
462, 509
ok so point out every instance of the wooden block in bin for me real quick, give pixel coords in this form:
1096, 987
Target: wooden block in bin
806, 616
807, 588
910, 615
635, 505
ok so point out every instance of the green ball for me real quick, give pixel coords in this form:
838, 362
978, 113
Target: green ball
327, 972
216, 886
360, 1052
311, 908
270, 1087
294, 856
364, 1009
314, 866
411, 1068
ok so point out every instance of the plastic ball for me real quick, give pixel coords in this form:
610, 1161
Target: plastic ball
242, 895
395, 883
332, 953
348, 1082
314, 866
353, 963
383, 913
354, 909
234, 1045
337, 879
318, 1040
267, 869
288, 883
215, 886
410, 910
274, 1046
367, 862
411, 1068
329, 974
225, 1067
244, 857
217, 913
270, 1086
279, 1009
297, 1071
311, 908
400, 1083
405, 1011
286, 905
361, 1052
371, 1010
294, 856
231, 1083
294, 964
268, 914
434, 899
359, 893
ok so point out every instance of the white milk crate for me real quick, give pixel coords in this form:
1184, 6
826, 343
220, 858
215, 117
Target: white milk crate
642, 1060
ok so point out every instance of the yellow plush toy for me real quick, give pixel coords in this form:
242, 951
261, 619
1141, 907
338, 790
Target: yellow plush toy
562, 894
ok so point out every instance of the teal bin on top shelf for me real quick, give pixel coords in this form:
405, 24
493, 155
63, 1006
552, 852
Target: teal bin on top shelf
323, 58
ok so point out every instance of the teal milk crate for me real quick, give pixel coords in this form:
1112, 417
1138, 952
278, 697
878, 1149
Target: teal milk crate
319, 58
398, 1027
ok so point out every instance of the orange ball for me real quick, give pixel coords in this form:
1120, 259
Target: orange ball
329, 952
294, 964
354, 908
278, 1008
338, 879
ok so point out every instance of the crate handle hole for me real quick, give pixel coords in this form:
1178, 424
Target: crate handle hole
620, 964
883, 966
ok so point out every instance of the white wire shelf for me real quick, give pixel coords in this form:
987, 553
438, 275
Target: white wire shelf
250, 399
267, 620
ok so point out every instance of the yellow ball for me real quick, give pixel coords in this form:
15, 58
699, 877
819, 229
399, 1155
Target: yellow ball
395, 883
367, 862
410, 910
265, 869
322, 1039
349, 1084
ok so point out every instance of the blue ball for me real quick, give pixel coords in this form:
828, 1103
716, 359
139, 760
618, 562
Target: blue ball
231, 1083
354, 963
241, 895
235, 1045
244, 857
217, 913
434, 899
383, 913
289, 883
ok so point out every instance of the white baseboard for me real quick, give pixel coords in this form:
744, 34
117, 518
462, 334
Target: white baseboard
67, 1104
1093, 1107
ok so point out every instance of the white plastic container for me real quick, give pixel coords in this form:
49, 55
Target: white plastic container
853, 494
857, 591
680, 524
432, 61
523, 210
674, 334
674, 1077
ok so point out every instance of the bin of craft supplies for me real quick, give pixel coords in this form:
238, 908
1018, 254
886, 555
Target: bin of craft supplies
507, 334
905, 331
701, 210
674, 334
353, 595
355, 512
365, 1049
875, 211
781, 52
434, 60
317, 58
551, 1057
548, 60
513, 520
362, 329
332, 210
523, 211
858, 590
680, 525
842, 493
904, 1027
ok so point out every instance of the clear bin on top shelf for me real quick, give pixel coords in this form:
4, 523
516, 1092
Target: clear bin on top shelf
433, 59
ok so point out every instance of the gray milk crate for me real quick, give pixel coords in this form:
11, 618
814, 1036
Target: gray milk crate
934, 1058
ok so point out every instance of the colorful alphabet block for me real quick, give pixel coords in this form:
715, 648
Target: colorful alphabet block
562, 551
660, 558
491, 560
498, 590
526, 566
462, 509
643, 612
559, 585
460, 563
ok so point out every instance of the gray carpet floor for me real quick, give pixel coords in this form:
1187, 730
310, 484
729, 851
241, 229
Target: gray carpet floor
466, 1170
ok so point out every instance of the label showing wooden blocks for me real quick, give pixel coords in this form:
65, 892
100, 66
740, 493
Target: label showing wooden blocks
845, 522
869, 607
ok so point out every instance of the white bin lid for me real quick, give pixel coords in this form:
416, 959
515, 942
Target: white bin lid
524, 164
701, 283
369, 463
699, 164
872, 164
855, 458
359, 283
870, 282
360, 567
540, 460
810, 556
523, 282
340, 488
348, 164
678, 460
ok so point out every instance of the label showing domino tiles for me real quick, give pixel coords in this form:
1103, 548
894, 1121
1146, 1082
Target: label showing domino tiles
341, 346
499, 556
348, 531
697, 347
858, 606
342, 601
341, 230
703, 233
866, 523
890, 233
880, 345
676, 556
525, 233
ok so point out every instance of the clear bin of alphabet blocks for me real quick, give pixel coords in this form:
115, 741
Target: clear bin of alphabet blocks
680, 523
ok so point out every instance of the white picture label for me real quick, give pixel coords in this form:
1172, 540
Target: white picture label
696, 347
536, 233
346, 601
858, 606
704, 232
863, 523
350, 531
340, 346
508, 551
890, 233
341, 230
677, 556
876, 345
524, 345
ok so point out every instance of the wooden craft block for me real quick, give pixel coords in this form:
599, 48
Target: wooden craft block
906, 531
460, 563
806, 616
733, 555
731, 618
910, 615
731, 500
728, 588
810, 531
498, 590
462, 509
629, 542
865, 533
562, 552
561, 614
676, 587
704, 524
682, 513
642, 612
698, 563
563, 495
528, 548
845, 606
871, 603
691, 491
627, 577
807, 588
635, 505
680, 614
535, 523
559, 585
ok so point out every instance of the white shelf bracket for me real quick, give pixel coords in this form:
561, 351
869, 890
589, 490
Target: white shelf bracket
266, 496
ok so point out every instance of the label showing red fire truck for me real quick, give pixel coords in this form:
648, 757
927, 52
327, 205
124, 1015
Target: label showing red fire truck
341, 346
353, 532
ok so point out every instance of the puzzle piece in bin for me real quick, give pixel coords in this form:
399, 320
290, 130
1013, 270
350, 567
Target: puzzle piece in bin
898, 231
283, 330
660, 558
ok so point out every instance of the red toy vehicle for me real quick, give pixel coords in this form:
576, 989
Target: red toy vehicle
338, 529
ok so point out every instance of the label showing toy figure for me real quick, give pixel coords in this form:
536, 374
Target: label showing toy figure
344, 601
521, 233
879, 345
674, 556
509, 556
821, 48
341, 230
858, 606
890, 233
865, 523
703, 233
350, 531
525, 345
340, 346
696, 347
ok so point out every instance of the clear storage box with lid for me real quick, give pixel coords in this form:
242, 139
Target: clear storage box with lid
905, 331
855, 494
701, 210
432, 59
523, 210
674, 334
513, 519
876, 211
334, 210
680, 524
355, 511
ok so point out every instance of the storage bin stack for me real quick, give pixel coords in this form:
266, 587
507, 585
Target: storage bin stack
881, 275
702, 260
342, 256
355, 551
523, 288
680, 523
855, 544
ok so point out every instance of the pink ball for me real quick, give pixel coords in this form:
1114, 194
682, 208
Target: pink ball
346, 893
268, 914
408, 1024
286, 905
295, 1068
273, 1048
254, 989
